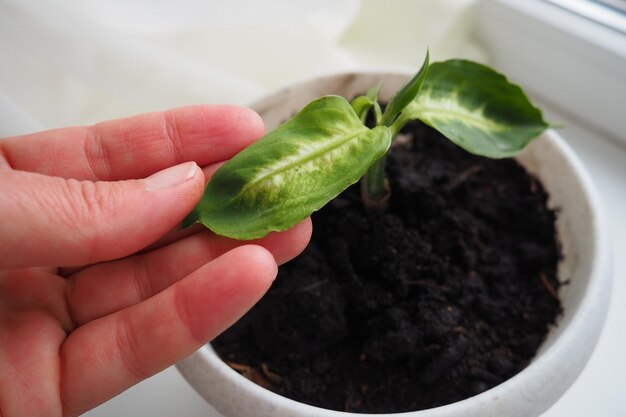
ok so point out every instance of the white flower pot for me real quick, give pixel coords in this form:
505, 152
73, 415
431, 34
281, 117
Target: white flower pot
586, 265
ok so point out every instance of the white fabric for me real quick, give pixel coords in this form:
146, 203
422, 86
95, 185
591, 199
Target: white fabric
65, 62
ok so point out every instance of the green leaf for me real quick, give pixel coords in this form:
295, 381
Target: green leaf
291, 172
362, 104
372, 93
476, 108
406, 94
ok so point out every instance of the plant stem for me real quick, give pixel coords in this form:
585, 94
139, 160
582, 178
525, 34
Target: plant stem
375, 190
397, 125
375, 181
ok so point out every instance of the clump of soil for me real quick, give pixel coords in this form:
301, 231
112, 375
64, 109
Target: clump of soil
446, 294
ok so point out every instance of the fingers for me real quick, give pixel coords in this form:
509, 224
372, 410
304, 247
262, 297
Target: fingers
50, 221
138, 146
29, 355
177, 233
108, 355
173, 235
105, 288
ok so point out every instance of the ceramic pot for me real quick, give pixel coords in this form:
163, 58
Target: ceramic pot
586, 265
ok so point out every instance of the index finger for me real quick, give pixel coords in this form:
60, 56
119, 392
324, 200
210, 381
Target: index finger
137, 146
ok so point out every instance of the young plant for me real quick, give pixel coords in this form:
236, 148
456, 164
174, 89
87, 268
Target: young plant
310, 159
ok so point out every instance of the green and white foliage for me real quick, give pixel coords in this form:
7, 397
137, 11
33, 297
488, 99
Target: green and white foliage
310, 159
476, 108
291, 172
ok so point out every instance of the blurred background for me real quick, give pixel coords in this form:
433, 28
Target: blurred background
80, 62
67, 63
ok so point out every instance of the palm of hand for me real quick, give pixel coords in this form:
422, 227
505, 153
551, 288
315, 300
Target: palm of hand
74, 337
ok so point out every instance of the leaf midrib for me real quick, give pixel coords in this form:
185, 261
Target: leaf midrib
323, 150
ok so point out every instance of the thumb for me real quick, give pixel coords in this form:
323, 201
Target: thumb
52, 221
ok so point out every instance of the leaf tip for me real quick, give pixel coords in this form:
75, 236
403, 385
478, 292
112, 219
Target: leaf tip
189, 220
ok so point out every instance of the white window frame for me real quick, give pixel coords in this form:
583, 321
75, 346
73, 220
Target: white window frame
571, 60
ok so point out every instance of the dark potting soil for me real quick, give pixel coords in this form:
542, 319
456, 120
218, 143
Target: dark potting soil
446, 294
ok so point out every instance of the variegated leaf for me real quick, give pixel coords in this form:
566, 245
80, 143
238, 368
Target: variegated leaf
291, 172
476, 108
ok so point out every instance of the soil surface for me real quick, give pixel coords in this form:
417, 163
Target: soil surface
446, 294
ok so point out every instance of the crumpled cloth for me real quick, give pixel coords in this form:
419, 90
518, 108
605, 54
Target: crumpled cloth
68, 63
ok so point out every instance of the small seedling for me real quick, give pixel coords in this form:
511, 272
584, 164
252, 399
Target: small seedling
306, 162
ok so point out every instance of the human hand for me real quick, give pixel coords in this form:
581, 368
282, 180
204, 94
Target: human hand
86, 310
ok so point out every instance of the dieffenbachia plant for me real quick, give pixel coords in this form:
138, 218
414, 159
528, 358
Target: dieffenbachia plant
306, 162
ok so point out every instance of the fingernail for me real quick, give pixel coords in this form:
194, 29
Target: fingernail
172, 176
